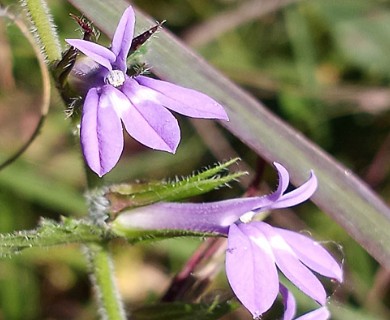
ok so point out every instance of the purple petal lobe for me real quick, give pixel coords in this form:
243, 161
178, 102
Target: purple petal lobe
279, 200
250, 269
289, 264
88, 134
318, 314
121, 42
202, 217
149, 122
284, 180
100, 54
312, 254
101, 132
182, 100
290, 305
298, 195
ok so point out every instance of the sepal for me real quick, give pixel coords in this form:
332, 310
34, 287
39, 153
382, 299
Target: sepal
127, 196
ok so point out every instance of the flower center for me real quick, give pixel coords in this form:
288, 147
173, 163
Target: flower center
115, 78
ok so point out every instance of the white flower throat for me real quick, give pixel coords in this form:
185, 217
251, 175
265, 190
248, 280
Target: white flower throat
247, 217
115, 78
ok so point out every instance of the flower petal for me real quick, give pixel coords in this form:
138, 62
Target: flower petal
318, 314
270, 200
148, 122
312, 254
101, 132
100, 54
289, 264
298, 195
121, 42
202, 217
250, 268
290, 305
182, 100
277, 199
284, 180
88, 131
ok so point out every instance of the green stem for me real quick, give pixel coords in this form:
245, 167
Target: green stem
44, 28
102, 274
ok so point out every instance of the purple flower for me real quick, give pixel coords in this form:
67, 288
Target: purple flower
139, 102
256, 250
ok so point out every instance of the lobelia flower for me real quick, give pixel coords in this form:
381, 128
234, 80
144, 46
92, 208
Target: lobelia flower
139, 102
255, 250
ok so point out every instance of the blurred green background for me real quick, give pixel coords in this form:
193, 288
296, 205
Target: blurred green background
321, 65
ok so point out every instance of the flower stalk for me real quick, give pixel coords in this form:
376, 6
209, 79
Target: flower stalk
198, 272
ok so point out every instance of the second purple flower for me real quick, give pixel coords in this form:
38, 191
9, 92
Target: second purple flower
256, 251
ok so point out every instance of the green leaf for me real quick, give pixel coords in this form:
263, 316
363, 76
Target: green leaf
126, 196
341, 194
184, 311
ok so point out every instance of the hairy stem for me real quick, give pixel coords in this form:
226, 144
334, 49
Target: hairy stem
102, 275
100, 261
43, 28
51, 233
